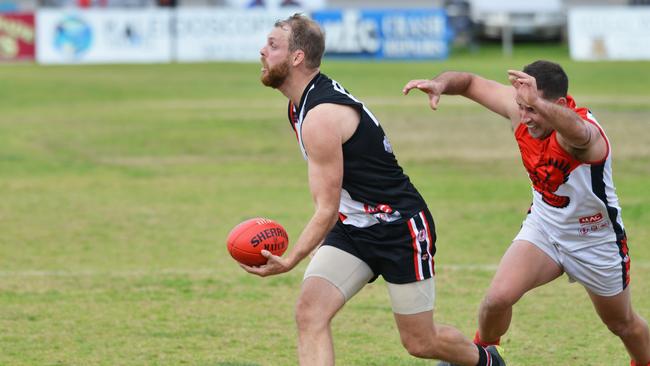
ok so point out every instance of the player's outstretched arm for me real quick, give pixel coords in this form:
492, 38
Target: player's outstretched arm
322, 137
497, 97
432, 88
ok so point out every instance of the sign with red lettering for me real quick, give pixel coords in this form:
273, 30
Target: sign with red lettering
17, 37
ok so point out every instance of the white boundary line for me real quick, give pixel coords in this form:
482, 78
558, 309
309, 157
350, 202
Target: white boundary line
216, 272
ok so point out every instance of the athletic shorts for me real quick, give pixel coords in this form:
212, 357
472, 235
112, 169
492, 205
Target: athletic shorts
604, 269
399, 252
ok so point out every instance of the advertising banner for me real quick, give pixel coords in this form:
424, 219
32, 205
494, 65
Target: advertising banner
277, 4
103, 36
17, 35
609, 33
386, 33
223, 34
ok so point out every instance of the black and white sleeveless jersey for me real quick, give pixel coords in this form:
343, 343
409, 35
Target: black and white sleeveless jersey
375, 188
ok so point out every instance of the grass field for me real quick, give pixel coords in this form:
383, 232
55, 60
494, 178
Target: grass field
119, 184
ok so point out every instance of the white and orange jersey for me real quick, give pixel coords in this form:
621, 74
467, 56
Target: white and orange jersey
575, 201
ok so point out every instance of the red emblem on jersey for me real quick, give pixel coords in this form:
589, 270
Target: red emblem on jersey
547, 178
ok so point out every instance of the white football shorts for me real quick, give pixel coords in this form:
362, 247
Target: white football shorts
600, 268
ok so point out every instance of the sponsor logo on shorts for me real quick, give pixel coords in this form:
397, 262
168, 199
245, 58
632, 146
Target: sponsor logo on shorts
590, 219
422, 234
593, 223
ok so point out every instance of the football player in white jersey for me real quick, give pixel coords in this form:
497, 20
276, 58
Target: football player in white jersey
574, 225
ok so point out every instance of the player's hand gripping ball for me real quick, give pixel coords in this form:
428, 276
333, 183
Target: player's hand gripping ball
249, 238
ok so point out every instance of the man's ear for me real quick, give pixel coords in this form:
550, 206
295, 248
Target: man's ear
297, 57
561, 101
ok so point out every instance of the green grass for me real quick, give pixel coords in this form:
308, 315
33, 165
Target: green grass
119, 184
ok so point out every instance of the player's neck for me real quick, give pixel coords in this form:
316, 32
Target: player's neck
295, 85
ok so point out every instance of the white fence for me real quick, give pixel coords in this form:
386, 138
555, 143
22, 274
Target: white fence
609, 33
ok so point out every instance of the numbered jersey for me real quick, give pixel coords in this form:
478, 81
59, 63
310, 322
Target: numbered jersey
576, 202
375, 189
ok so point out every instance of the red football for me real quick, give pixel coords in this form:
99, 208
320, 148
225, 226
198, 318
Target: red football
246, 240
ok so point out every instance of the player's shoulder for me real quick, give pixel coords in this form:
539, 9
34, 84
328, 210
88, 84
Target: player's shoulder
326, 90
324, 86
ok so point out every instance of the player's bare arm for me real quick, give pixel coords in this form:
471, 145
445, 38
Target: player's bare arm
496, 97
322, 134
580, 138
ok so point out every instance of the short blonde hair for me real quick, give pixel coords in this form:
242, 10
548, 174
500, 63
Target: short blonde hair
306, 35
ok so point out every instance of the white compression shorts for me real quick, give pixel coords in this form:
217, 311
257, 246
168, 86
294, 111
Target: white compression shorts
349, 274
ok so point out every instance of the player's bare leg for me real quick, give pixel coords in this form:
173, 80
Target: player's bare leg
523, 267
422, 338
319, 301
617, 313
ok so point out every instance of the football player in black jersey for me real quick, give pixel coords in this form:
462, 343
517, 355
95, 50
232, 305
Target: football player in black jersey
369, 219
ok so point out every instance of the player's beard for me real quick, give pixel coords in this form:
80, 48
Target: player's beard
277, 75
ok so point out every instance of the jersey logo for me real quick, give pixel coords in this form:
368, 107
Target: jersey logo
382, 207
382, 212
547, 178
387, 146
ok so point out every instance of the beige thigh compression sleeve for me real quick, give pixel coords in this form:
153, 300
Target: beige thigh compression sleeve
412, 298
349, 274
345, 271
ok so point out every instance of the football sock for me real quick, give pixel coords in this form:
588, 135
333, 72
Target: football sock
633, 363
478, 341
484, 358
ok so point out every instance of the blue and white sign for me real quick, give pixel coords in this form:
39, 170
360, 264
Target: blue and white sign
103, 36
296, 5
72, 36
386, 33
224, 35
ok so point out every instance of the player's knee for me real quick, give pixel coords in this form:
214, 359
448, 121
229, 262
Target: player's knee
625, 327
304, 313
309, 315
417, 347
420, 345
497, 301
